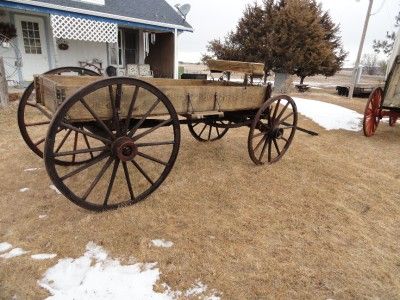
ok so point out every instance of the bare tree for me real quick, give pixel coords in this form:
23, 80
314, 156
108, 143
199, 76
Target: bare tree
370, 64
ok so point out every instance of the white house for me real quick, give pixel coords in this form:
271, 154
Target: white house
55, 33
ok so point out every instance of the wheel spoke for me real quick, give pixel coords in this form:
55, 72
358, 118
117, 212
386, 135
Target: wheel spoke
130, 111
86, 166
276, 110
263, 149
75, 146
209, 133
92, 135
37, 124
216, 128
259, 134
204, 128
83, 151
128, 181
116, 105
276, 147
88, 145
283, 111
154, 144
152, 158
163, 123
94, 114
133, 131
142, 172
40, 142
63, 140
287, 117
97, 179
269, 151
260, 143
112, 179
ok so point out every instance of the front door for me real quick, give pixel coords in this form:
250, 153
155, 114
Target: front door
32, 44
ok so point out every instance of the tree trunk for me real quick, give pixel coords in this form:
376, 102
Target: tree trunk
3, 85
302, 79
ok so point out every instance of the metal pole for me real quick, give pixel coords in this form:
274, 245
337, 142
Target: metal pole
360, 49
3, 85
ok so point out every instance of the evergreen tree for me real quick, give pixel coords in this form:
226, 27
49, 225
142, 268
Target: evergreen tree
386, 46
288, 36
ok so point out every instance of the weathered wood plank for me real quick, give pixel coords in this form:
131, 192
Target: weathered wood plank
236, 66
187, 96
392, 97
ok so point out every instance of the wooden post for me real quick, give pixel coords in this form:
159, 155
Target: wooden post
3, 85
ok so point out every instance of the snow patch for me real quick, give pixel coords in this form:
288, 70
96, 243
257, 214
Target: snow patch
41, 217
5, 247
97, 276
330, 116
55, 189
161, 243
24, 190
14, 253
43, 256
31, 169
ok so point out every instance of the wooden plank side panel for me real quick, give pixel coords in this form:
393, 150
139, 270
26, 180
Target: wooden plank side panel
185, 96
236, 66
392, 97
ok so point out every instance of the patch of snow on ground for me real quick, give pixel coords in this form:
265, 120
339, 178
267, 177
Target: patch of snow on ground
31, 169
55, 189
43, 256
162, 243
14, 253
41, 217
330, 116
97, 276
24, 190
5, 247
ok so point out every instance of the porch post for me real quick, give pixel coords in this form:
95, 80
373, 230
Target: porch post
3, 85
176, 63
54, 42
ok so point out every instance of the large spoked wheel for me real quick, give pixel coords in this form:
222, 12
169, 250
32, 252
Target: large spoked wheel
372, 114
33, 119
272, 130
134, 131
208, 131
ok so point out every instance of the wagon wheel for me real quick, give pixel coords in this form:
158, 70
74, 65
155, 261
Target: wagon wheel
207, 131
372, 114
135, 153
272, 130
33, 120
392, 121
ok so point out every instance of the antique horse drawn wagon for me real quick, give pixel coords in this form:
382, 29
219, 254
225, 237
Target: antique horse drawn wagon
385, 102
111, 142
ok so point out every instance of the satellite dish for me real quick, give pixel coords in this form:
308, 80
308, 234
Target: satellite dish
183, 9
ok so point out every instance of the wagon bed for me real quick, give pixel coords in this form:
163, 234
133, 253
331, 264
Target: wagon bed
111, 142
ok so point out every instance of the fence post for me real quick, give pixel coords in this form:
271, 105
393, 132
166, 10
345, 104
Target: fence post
3, 85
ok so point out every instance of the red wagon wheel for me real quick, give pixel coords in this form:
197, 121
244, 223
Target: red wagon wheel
207, 131
372, 114
33, 120
135, 154
272, 130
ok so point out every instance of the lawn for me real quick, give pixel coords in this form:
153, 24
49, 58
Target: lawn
322, 223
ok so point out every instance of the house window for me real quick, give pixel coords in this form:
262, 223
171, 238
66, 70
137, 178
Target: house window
31, 36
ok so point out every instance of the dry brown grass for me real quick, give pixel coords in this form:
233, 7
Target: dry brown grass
322, 223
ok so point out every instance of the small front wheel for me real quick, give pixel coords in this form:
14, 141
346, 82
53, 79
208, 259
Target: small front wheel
372, 113
272, 130
208, 131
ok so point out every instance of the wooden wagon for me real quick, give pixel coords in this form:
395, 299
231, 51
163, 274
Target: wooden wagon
111, 142
384, 102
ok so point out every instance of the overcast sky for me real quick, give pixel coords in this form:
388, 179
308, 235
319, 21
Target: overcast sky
214, 18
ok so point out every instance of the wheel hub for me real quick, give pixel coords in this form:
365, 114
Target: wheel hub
277, 133
125, 149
